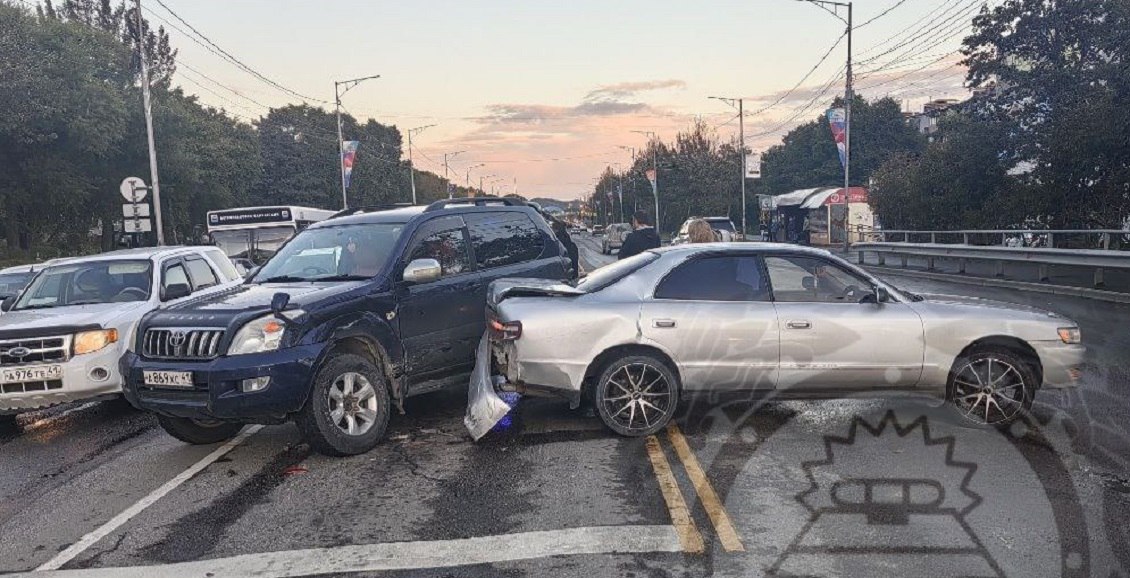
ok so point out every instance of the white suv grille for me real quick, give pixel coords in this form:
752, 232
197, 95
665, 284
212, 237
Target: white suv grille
34, 350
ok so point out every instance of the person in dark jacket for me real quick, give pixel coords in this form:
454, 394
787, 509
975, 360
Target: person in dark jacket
644, 236
561, 231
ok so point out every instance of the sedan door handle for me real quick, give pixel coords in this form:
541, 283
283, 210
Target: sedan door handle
663, 323
799, 324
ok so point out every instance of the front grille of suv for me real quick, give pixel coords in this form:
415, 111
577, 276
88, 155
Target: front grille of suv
34, 350
176, 343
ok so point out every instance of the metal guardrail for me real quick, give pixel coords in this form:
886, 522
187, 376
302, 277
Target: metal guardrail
988, 237
1044, 257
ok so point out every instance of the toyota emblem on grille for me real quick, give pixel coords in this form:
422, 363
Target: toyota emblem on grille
176, 339
19, 352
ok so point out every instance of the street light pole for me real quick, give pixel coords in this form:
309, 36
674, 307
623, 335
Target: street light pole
469, 173
348, 84
849, 97
742, 153
147, 103
450, 189
411, 167
655, 167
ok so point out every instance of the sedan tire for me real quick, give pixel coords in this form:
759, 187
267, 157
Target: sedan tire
348, 409
992, 387
636, 395
197, 432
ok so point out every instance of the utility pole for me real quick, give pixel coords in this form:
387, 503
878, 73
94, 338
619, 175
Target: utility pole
469, 173
654, 167
450, 189
348, 84
742, 153
849, 97
147, 103
411, 167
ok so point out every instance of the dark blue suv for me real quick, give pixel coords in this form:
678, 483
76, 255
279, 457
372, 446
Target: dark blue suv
350, 317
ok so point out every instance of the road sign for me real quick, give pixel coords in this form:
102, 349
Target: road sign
753, 166
135, 210
133, 189
137, 226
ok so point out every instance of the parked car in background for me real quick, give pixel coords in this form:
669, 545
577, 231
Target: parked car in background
723, 227
62, 337
768, 319
597, 230
614, 237
14, 279
349, 318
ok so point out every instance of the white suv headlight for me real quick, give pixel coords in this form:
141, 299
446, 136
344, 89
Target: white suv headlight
259, 335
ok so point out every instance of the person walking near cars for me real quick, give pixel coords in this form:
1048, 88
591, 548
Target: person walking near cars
699, 231
642, 238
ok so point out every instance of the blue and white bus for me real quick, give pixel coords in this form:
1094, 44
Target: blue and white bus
251, 235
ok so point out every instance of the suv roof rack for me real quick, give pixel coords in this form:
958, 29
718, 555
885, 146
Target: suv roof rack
370, 209
476, 201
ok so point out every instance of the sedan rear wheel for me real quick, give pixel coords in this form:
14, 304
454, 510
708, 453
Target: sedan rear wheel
992, 387
636, 396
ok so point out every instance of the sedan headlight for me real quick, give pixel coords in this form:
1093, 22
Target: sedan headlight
1070, 335
91, 341
259, 335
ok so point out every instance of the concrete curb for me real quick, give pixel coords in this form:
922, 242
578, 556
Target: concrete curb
1098, 294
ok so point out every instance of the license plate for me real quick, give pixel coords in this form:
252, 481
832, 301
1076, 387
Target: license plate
168, 378
37, 373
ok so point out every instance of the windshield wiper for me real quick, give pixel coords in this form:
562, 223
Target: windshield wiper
40, 306
282, 279
340, 278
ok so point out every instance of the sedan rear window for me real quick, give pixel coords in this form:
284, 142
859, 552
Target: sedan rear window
609, 274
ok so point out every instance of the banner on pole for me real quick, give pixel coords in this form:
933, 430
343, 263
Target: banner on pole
753, 166
837, 120
348, 153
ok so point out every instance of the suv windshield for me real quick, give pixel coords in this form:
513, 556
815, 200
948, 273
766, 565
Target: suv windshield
356, 251
11, 283
89, 283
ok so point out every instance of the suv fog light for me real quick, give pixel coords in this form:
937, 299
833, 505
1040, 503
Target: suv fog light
99, 374
255, 384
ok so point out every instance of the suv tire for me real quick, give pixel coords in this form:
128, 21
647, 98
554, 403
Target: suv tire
640, 380
196, 432
348, 409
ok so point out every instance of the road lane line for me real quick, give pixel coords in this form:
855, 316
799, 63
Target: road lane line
393, 556
705, 490
126, 515
689, 536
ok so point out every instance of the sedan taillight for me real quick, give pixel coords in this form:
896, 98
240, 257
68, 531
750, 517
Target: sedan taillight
505, 331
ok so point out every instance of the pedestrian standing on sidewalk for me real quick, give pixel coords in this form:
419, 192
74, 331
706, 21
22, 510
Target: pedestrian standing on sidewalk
642, 238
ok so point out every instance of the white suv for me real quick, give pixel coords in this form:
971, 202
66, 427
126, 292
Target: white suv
62, 336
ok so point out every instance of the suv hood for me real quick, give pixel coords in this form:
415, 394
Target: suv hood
257, 297
66, 319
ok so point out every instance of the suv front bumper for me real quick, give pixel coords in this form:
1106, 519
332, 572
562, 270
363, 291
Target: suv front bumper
216, 393
76, 384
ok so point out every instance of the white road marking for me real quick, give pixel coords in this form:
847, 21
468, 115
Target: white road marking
407, 555
126, 515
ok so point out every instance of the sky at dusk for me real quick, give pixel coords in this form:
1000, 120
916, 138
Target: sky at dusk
547, 92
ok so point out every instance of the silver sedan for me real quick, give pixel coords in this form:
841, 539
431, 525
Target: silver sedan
638, 335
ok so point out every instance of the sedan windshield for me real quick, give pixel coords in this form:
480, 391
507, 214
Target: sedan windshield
88, 283
345, 252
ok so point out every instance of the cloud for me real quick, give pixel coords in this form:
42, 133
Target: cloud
624, 90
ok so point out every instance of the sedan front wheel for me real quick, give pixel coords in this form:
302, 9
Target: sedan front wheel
636, 396
992, 387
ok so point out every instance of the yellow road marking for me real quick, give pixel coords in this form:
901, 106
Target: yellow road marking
706, 494
688, 533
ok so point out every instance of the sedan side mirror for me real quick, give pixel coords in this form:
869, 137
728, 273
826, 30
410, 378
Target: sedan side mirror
422, 271
176, 291
8, 303
882, 295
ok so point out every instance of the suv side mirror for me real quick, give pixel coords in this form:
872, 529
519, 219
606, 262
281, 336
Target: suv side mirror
422, 271
8, 303
176, 291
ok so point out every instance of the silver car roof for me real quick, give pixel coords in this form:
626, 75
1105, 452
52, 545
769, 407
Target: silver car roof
139, 253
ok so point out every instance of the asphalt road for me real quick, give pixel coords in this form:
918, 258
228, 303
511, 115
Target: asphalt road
890, 487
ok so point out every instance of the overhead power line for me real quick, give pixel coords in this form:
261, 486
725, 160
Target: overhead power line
882, 14
789, 92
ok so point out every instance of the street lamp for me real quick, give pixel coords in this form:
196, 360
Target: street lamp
741, 131
848, 98
348, 84
411, 168
655, 168
450, 189
481, 177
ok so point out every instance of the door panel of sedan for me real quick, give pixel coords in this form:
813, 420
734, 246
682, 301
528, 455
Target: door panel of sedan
714, 315
829, 340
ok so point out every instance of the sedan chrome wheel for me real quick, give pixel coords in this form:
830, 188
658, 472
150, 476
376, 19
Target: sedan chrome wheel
990, 390
353, 403
637, 397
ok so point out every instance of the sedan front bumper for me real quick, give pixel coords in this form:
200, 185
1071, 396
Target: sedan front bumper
1062, 363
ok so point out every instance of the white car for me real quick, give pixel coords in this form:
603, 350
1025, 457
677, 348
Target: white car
62, 336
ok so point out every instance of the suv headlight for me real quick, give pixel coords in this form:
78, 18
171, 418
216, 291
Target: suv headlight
91, 341
259, 335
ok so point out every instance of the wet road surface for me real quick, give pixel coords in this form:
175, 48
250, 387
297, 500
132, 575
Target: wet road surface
894, 487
